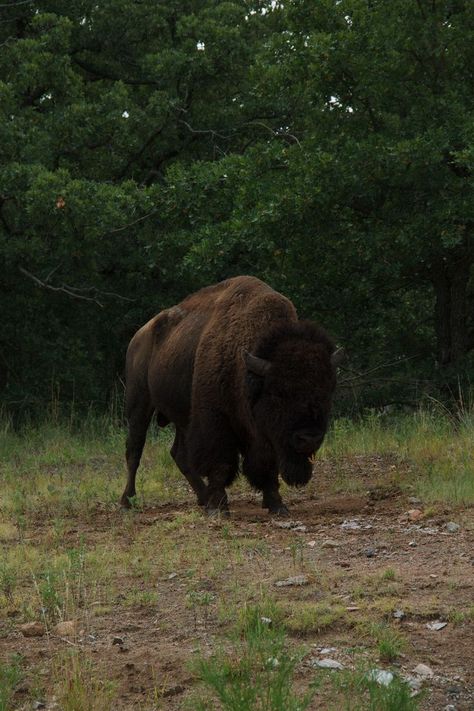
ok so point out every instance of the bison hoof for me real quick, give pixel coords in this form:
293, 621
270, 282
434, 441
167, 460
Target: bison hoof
215, 513
280, 510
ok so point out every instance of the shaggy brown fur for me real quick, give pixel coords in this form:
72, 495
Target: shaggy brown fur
191, 366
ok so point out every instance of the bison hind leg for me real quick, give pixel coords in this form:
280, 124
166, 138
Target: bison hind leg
179, 454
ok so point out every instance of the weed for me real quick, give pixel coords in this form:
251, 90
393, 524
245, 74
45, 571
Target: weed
259, 676
390, 642
360, 692
8, 580
78, 689
10, 676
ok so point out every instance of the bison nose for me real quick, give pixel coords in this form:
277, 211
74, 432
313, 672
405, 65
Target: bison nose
305, 443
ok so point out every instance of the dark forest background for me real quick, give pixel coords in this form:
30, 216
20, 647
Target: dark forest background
151, 147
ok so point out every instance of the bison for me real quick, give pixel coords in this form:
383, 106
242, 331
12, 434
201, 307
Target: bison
237, 373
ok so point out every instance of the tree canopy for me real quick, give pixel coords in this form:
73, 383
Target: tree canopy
148, 148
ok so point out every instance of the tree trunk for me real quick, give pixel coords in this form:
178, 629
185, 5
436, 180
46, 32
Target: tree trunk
450, 279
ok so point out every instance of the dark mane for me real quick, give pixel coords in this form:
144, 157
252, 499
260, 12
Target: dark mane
291, 331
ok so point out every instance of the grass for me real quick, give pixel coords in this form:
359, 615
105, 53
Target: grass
437, 446
10, 676
257, 674
77, 688
358, 691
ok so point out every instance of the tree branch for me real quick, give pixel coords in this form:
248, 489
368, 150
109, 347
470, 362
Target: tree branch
73, 291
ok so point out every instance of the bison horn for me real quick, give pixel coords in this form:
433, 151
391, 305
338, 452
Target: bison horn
256, 365
338, 357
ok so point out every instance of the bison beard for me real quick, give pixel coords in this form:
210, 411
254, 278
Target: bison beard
295, 469
222, 366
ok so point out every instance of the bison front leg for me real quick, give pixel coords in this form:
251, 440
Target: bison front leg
263, 476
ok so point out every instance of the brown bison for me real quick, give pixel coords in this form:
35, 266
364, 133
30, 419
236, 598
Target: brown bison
236, 372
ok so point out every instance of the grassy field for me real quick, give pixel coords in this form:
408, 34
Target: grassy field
166, 609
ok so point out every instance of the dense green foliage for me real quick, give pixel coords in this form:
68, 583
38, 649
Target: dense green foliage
148, 148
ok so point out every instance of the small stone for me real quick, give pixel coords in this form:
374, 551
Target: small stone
328, 650
399, 614
38, 705
413, 500
172, 575
117, 640
449, 707
370, 553
68, 628
452, 527
288, 524
33, 629
328, 664
435, 626
413, 682
266, 620
352, 608
296, 580
351, 525
330, 543
300, 529
415, 514
311, 544
413, 544
381, 676
424, 671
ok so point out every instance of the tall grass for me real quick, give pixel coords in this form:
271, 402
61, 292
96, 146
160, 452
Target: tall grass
437, 446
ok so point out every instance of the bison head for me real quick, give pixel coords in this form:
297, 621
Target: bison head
291, 383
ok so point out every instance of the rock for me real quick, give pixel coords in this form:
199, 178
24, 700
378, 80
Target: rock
413, 544
68, 628
117, 640
399, 614
352, 608
452, 527
38, 705
424, 671
414, 514
413, 682
172, 575
449, 707
330, 543
296, 580
436, 625
381, 676
328, 650
33, 629
413, 500
370, 553
311, 544
351, 525
289, 524
327, 664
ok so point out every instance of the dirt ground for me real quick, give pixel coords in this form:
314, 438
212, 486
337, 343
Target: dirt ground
343, 543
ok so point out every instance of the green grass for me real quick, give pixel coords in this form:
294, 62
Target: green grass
257, 674
436, 446
10, 677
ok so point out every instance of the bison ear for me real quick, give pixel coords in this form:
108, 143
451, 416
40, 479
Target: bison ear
255, 365
338, 357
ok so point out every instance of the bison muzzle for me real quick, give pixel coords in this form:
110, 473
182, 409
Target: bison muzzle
238, 374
